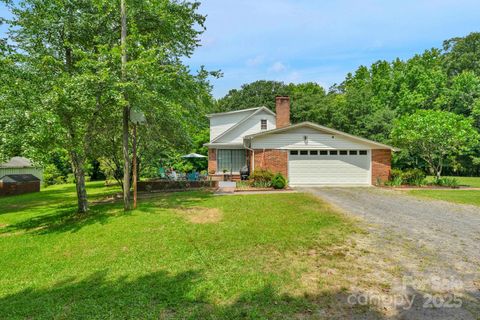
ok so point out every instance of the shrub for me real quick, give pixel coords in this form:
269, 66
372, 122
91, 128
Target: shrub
261, 176
51, 175
70, 178
279, 181
414, 177
262, 184
395, 181
60, 180
446, 182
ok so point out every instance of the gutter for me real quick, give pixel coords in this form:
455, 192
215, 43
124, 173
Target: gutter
253, 154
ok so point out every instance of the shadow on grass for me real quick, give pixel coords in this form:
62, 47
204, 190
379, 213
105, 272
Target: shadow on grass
165, 296
51, 197
65, 219
162, 295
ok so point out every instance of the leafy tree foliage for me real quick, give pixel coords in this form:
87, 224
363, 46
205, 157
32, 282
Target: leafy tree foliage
66, 62
438, 137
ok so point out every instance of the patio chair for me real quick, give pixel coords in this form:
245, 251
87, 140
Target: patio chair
162, 174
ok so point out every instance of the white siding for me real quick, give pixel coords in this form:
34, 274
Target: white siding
329, 169
251, 126
221, 123
294, 139
36, 172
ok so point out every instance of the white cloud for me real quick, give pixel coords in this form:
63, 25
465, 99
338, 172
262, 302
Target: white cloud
278, 67
253, 62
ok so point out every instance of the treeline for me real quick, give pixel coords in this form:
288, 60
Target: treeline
369, 101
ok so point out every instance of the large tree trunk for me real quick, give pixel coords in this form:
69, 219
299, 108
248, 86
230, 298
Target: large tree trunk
79, 171
126, 111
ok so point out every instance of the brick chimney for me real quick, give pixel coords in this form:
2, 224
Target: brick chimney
282, 109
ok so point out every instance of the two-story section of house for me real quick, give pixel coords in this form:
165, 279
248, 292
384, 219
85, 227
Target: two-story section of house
305, 153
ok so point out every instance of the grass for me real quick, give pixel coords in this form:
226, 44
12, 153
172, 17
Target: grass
180, 255
473, 182
454, 195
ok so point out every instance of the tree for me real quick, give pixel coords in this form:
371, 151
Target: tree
70, 52
462, 54
437, 137
307, 102
251, 95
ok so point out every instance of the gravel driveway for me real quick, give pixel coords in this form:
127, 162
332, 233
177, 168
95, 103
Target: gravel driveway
435, 244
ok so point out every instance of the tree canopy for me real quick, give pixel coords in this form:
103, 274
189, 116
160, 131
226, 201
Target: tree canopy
68, 91
437, 137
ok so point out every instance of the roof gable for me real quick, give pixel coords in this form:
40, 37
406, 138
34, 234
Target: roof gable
322, 129
238, 124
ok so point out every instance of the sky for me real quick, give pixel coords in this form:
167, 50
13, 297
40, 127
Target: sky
319, 40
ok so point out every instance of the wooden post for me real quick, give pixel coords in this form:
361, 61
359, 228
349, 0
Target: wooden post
134, 165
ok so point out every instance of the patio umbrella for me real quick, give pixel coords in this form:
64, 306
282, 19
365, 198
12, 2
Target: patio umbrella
193, 156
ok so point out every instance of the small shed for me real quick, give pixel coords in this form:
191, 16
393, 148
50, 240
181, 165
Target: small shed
13, 184
20, 165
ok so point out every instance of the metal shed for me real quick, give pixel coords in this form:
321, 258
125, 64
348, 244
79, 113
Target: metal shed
20, 165
13, 184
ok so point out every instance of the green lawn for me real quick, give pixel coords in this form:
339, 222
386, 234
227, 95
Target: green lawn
180, 255
462, 181
452, 195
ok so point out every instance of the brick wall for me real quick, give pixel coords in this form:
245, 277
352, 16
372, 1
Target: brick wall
275, 160
381, 165
212, 161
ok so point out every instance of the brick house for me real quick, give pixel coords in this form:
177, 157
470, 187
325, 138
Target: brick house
306, 153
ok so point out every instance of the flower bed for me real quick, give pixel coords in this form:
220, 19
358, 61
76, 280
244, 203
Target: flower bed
168, 185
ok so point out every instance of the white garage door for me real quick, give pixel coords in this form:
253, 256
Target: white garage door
329, 167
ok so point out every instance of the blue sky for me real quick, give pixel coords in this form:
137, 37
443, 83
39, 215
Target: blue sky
320, 40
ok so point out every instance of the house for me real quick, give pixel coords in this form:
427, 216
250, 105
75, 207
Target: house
20, 165
306, 153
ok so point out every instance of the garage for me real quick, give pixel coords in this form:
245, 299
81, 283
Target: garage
329, 167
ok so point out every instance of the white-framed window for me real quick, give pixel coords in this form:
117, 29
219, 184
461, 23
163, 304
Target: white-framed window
231, 160
353, 152
294, 152
323, 152
362, 152
263, 124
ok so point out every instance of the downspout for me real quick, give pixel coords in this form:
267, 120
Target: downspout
253, 155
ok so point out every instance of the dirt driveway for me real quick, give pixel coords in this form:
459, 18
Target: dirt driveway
433, 246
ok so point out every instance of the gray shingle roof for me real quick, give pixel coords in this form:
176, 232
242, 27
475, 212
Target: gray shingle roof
19, 178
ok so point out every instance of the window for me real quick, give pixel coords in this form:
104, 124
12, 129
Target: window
293, 152
362, 152
304, 152
343, 152
231, 160
263, 124
333, 152
323, 152
353, 152
313, 152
